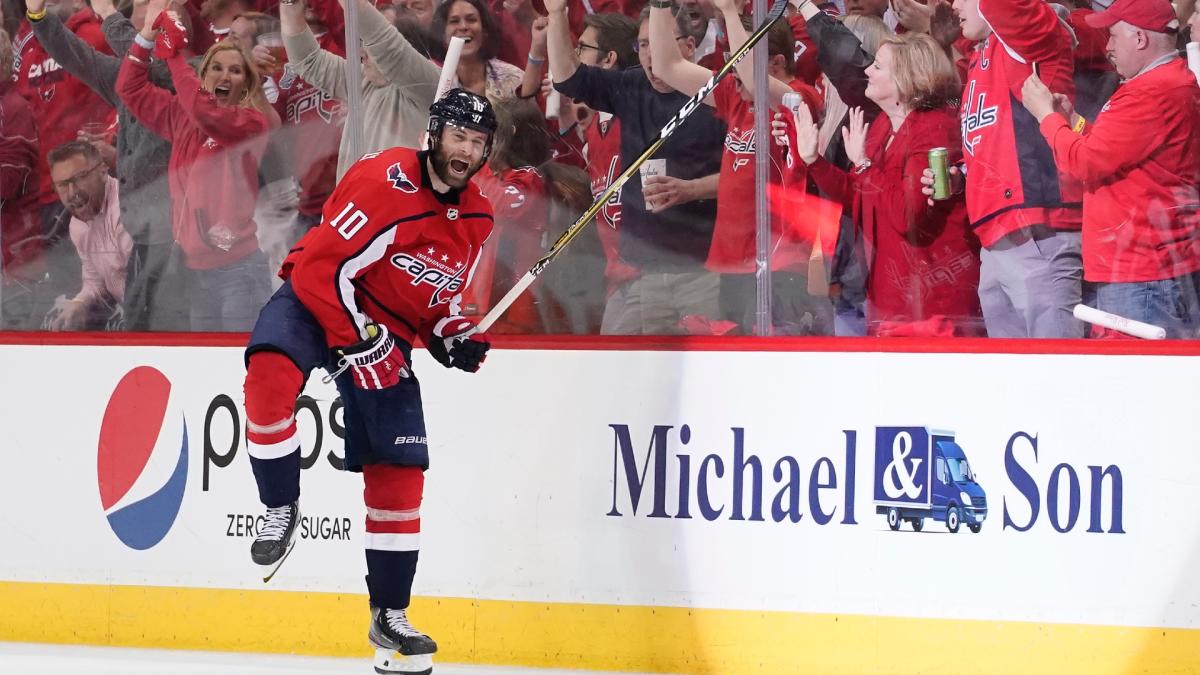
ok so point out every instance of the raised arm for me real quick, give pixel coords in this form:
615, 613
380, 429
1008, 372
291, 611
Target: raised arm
98, 71
156, 108
563, 60
669, 65
736, 33
399, 62
228, 125
320, 68
535, 65
841, 57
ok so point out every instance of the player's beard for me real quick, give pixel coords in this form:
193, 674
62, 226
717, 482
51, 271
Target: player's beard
441, 166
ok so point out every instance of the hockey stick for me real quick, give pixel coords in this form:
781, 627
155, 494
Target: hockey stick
674, 123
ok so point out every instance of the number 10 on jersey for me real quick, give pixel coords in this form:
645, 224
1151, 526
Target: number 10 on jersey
349, 221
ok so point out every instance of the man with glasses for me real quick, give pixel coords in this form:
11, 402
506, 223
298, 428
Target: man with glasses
89, 194
666, 241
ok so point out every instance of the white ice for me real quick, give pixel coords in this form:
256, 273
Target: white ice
40, 659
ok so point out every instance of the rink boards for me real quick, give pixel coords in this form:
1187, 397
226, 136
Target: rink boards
683, 510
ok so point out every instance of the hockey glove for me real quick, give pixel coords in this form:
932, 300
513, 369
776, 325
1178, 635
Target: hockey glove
172, 37
374, 363
455, 344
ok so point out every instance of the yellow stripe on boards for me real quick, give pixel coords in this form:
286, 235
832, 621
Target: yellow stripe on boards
599, 637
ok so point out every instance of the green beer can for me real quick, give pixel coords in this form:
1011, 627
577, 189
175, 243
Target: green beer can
941, 173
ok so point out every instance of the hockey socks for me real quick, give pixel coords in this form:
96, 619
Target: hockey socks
272, 385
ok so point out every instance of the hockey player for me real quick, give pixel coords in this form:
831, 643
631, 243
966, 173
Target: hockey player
398, 242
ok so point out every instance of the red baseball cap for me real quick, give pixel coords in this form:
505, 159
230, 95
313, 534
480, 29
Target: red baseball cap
1153, 15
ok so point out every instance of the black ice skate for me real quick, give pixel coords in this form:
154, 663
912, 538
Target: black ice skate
399, 648
276, 538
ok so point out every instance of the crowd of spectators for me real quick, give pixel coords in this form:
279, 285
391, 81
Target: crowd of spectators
159, 158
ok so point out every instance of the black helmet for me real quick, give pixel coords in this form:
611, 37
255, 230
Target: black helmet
465, 109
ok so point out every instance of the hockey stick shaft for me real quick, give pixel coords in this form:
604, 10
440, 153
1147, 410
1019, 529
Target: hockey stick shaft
674, 123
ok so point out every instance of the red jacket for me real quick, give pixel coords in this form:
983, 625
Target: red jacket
20, 226
1140, 164
389, 249
215, 152
924, 261
522, 209
60, 101
1011, 179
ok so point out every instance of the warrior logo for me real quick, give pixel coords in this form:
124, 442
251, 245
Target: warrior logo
400, 180
976, 116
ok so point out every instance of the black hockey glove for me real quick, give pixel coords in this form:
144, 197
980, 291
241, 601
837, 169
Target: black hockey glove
455, 344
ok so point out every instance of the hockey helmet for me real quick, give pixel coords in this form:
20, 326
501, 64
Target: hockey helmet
464, 109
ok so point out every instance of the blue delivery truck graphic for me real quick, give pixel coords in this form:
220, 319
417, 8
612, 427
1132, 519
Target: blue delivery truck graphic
922, 473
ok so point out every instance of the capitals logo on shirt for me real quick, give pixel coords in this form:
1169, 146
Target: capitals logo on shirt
741, 144
977, 115
400, 180
429, 267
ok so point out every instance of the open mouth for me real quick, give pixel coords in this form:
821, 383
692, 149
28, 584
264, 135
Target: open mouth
221, 91
458, 166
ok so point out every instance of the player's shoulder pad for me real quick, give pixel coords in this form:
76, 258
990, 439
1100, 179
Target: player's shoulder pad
474, 201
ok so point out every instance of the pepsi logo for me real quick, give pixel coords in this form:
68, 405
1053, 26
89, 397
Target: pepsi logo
142, 459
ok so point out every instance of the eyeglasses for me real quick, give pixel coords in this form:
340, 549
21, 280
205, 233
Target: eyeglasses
75, 180
583, 45
645, 44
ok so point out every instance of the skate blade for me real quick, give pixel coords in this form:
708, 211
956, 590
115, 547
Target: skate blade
392, 661
279, 563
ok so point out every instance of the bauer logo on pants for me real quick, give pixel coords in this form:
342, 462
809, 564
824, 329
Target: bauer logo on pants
142, 459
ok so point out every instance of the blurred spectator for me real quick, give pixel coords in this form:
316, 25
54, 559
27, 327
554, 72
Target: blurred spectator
670, 240
1026, 214
1095, 79
217, 136
419, 11
21, 265
153, 298
217, 18
845, 48
398, 81
90, 196
247, 26
869, 7
479, 69
607, 43
514, 19
63, 106
924, 260
1140, 163
734, 244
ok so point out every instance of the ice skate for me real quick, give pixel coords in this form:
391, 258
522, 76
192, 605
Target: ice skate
276, 538
399, 648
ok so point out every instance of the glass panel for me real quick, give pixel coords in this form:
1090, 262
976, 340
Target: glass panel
175, 211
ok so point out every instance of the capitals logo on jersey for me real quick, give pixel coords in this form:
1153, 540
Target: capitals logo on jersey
428, 267
611, 211
400, 180
741, 144
976, 116
313, 100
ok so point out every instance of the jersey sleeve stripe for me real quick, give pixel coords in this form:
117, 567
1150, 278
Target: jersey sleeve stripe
475, 215
368, 255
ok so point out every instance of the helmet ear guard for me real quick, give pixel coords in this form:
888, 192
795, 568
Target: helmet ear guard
464, 109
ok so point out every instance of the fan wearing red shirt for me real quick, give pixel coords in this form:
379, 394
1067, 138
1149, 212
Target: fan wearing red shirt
1140, 164
733, 250
61, 102
397, 247
217, 140
923, 259
1026, 213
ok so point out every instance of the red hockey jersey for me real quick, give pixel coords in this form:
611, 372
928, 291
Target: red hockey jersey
61, 102
311, 120
389, 250
734, 247
522, 211
1012, 181
603, 149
